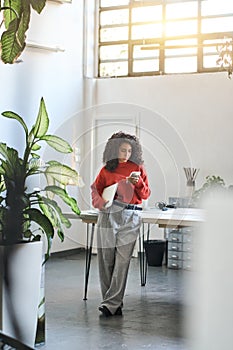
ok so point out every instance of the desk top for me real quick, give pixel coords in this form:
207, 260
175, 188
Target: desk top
173, 217
181, 217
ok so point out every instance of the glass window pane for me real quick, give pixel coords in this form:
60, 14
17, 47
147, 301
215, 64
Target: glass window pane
146, 31
145, 51
114, 17
180, 52
114, 34
114, 52
181, 65
214, 25
145, 66
115, 69
177, 47
181, 27
182, 10
110, 3
213, 45
210, 61
216, 7
147, 14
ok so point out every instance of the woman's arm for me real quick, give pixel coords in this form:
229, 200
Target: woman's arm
142, 189
96, 191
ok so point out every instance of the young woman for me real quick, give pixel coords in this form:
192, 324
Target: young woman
118, 225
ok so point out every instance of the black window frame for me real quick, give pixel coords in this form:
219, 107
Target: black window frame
200, 37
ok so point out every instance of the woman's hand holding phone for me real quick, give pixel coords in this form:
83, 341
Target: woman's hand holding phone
134, 177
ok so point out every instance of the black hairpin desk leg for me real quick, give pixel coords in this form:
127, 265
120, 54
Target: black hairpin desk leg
88, 257
142, 255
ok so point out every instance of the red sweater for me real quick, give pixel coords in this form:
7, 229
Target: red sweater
126, 192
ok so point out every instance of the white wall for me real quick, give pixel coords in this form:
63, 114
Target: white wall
185, 120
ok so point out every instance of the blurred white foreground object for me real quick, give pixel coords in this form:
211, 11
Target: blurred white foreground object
209, 317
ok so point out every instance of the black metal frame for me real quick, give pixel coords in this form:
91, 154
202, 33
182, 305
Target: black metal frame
89, 244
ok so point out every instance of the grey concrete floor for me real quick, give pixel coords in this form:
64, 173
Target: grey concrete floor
152, 315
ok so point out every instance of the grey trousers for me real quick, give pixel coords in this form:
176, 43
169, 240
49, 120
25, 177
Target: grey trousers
117, 232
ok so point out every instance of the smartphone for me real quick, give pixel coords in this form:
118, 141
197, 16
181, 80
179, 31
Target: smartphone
135, 174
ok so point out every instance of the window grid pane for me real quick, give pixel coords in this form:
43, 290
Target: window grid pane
142, 36
145, 66
176, 28
114, 69
114, 17
182, 10
216, 7
111, 3
112, 52
145, 51
209, 61
181, 65
114, 34
147, 14
221, 24
146, 31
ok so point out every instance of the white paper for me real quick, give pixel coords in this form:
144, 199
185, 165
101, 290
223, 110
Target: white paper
109, 193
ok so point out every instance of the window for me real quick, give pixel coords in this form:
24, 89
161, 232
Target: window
162, 36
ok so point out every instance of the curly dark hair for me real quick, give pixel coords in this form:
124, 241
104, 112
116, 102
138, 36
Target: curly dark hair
110, 155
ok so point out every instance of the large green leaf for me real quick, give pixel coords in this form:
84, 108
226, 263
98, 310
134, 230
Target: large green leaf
40, 219
50, 180
2, 182
38, 5
13, 9
11, 46
12, 165
60, 234
53, 162
3, 150
24, 21
36, 147
47, 211
12, 115
16, 20
42, 121
65, 197
52, 210
63, 174
57, 143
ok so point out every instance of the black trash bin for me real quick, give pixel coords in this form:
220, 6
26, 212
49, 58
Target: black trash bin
154, 250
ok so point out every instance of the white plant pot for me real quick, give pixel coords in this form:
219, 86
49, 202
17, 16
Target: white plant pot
20, 302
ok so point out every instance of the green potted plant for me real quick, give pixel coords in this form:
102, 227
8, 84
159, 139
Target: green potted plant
16, 18
27, 215
212, 183
20, 208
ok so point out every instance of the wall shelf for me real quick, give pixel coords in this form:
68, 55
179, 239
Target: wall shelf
31, 44
62, 1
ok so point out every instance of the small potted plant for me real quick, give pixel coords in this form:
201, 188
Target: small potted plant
211, 184
27, 215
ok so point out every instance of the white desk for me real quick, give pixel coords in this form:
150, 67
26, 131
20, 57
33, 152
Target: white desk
180, 217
